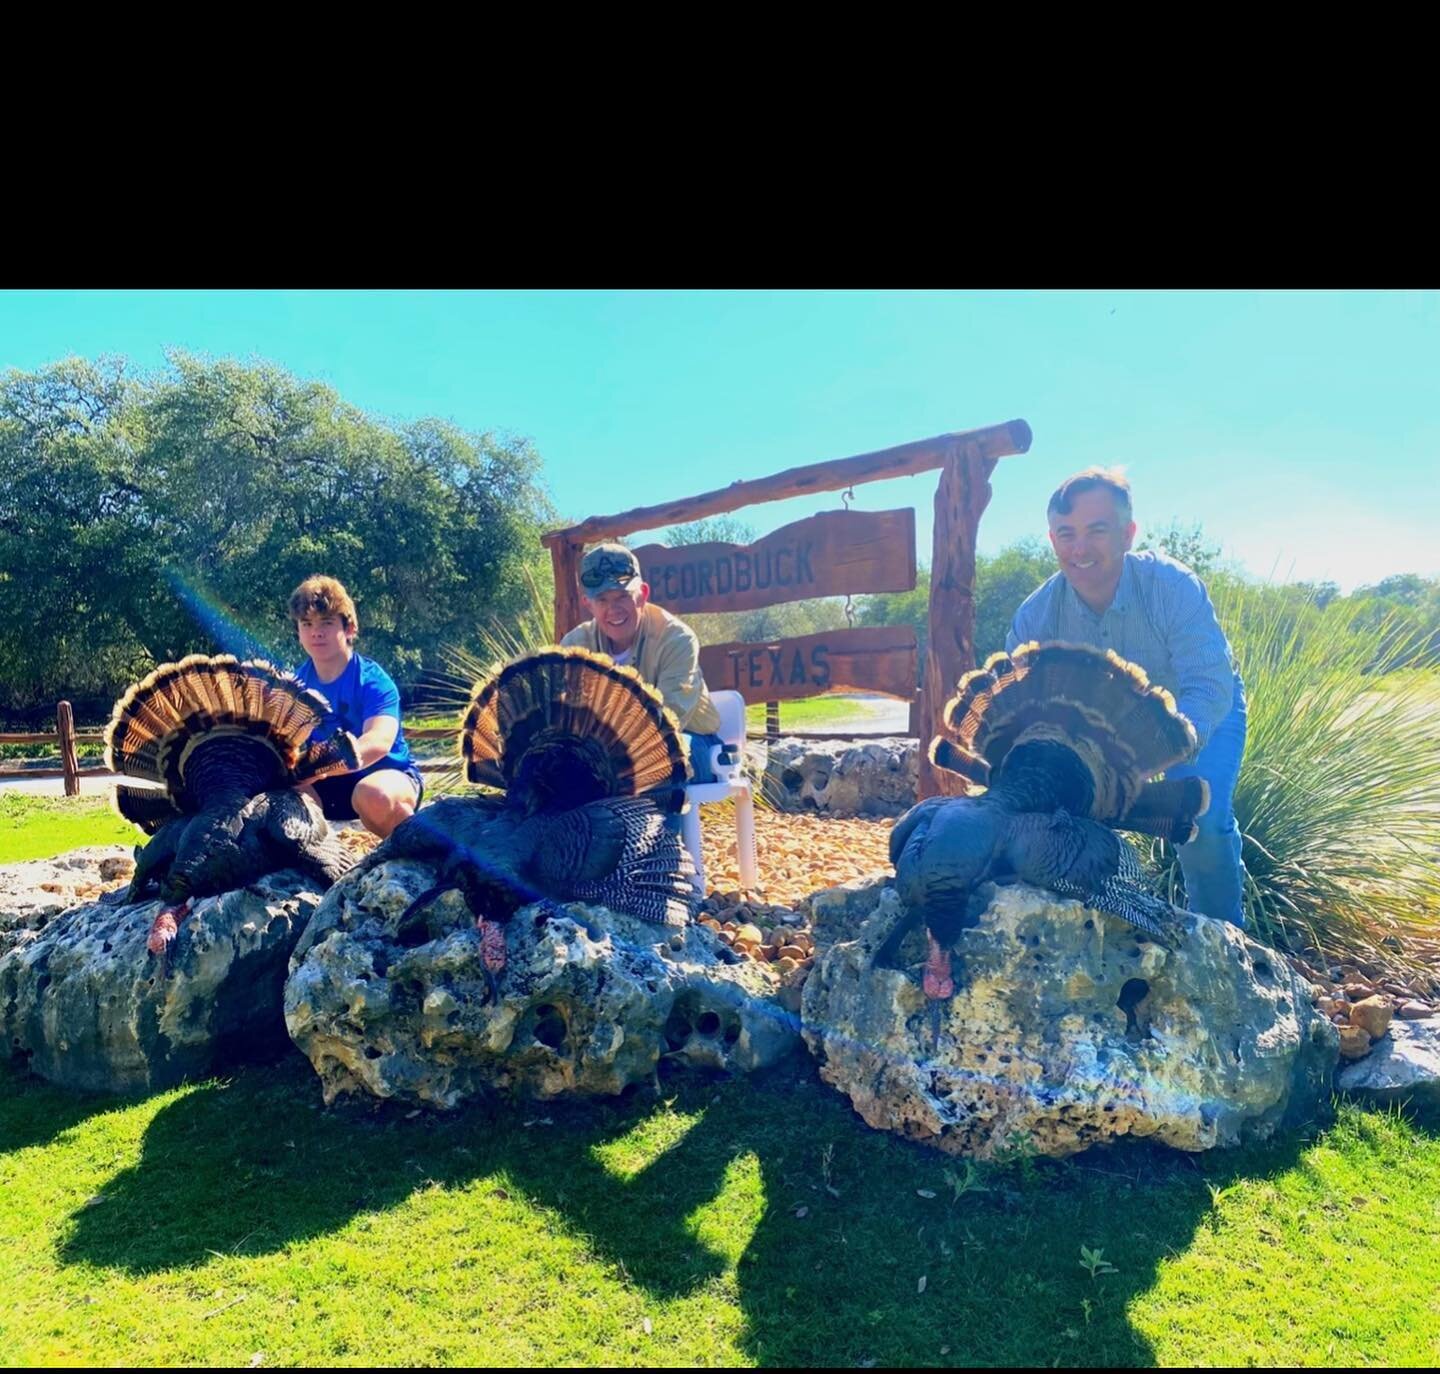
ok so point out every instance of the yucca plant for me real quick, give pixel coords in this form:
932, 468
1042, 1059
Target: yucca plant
1338, 801
499, 641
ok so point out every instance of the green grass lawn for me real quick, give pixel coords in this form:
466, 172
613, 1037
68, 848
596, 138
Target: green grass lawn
36, 827
721, 1223
813, 713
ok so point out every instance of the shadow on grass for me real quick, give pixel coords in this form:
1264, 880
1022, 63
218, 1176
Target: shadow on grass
252, 1164
851, 1221
36, 1112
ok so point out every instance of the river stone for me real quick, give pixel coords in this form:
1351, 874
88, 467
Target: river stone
590, 1000
34, 891
1219, 1043
1373, 1015
839, 778
1404, 1064
89, 1007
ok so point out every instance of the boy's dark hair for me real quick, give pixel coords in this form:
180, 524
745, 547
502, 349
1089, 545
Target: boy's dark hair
1092, 479
322, 596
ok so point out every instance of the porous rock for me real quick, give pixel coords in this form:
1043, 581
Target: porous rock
589, 1003
839, 778
87, 1006
1068, 1028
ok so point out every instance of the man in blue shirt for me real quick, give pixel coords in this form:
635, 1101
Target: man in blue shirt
1153, 611
386, 788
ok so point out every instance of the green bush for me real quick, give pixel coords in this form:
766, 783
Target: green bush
1338, 800
146, 517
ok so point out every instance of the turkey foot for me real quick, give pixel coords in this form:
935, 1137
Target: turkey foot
939, 986
166, 926
492, 954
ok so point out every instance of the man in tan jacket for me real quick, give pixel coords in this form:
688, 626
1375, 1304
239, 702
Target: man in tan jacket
662, 648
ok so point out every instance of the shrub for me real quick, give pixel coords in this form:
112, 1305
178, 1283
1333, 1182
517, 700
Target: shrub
1338, 800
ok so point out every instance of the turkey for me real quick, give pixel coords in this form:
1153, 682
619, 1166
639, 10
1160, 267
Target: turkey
1060, 740
226, 742
592, 771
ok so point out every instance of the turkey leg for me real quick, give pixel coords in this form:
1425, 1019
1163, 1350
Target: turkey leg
166, 926
939, 985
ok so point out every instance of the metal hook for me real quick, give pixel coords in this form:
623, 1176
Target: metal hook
849, 611
846, 497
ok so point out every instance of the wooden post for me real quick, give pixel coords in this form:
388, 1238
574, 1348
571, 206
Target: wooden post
65, 728
565, 563
916, 722
966, 460
772, 721
960, 499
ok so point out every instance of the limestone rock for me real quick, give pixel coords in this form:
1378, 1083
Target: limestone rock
1403, 1066
1415, 1011
1373, 1015
1067, 1029
839, 778
33, 892
590, 1000
837, 913
91, 1008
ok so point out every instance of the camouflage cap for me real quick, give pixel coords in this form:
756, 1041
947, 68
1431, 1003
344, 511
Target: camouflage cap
607, 568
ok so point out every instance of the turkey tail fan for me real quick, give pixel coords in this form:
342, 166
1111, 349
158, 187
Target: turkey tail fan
953, 758
1142, 714
1103, 687
159, 722
147, 807
1168, 809
562, 727
1126, 728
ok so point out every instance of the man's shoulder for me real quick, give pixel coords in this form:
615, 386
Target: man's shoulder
580, 635
371, 674
1158, 569
663, 622
1154, 563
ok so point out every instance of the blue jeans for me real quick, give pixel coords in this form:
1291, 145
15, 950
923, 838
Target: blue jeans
1211, 861
700, 746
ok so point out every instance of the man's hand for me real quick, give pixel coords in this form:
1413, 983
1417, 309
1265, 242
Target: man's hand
350, 744
338, 755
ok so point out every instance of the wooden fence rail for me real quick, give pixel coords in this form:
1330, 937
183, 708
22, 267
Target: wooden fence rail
66, 737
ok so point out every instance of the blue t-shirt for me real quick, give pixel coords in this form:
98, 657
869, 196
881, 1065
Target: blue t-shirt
363, 690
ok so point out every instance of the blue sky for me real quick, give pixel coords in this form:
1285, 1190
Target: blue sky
1300, 428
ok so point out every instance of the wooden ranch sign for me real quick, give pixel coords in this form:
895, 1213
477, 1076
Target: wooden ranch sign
878, 658
835, 553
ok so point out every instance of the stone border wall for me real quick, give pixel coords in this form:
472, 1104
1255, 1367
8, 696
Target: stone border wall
841, 777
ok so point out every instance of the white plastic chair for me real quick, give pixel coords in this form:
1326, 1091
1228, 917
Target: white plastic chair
732, 782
